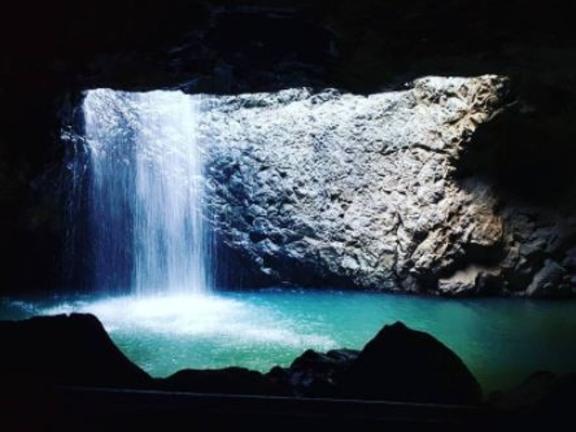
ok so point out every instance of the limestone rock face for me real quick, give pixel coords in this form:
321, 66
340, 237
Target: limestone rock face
332, 188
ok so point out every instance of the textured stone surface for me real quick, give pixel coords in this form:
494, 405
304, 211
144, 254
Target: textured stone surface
524, 158
343, 189
385, 192
231, 380
548, 279
542, 395
537, 253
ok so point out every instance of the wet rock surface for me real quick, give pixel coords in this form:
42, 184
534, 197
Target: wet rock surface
351, 190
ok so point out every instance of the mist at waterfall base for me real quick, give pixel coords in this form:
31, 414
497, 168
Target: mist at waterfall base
142, 250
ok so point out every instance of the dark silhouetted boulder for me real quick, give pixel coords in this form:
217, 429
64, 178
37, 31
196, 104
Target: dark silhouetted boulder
313, 373
63, 349
543, 395
401, 364
232, 380
560, 401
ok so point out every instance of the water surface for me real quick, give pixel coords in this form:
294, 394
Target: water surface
501, 340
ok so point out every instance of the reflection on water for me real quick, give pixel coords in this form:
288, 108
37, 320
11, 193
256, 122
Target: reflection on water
501, 340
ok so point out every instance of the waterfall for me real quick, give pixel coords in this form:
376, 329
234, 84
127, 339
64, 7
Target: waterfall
145, 192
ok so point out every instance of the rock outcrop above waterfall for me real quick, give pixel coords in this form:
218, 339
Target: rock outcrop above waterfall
337, 189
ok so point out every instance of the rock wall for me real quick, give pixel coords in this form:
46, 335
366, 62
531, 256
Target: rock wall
338, 189
517, 166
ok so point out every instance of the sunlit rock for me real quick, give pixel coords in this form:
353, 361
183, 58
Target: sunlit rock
392, 191
338, 188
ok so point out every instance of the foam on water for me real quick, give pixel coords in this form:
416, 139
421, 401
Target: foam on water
196, 317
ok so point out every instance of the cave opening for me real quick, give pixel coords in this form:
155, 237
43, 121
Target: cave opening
241, 198
210, 231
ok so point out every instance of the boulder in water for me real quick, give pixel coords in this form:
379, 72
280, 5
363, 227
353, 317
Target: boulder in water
65, 349
542, 395
399, 364
313, 373
402, 364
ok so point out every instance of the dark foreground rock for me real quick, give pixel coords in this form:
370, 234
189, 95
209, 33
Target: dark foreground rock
313, 373
488, 212
543, 394
407, 365
73, 349
399, 364
327, 187
232, 380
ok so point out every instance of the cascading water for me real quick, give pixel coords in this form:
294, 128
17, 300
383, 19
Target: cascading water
145, 192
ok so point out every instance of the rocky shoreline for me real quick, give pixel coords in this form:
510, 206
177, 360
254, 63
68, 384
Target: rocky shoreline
383, 192
398, 364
